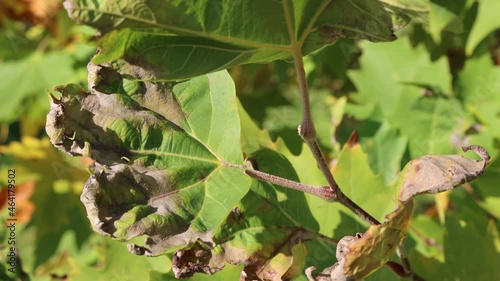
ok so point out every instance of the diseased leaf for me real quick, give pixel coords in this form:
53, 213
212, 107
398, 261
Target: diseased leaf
197, 37
160, 150
438, 173
377, 244
360, 255
264, 232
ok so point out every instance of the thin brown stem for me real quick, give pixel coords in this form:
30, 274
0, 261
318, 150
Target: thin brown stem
308, 133
306, 129
344, 200
401, 251
399, 270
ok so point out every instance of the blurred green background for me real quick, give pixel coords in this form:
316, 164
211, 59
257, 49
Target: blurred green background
433, 90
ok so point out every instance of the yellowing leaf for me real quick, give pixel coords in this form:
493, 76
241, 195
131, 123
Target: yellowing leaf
377, 244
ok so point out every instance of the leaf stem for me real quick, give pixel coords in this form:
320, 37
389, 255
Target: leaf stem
399, 270
346, 201
324, 192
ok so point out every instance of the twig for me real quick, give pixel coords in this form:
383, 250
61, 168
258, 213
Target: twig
306, 129
344, 200
399, 270
308, 133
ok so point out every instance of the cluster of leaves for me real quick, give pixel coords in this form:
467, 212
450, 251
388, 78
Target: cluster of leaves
170, 152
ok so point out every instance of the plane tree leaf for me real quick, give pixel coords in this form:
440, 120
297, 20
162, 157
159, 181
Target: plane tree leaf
270, 246
486, 22
160, 151
422, 93
438, 173
197, 37
32, 68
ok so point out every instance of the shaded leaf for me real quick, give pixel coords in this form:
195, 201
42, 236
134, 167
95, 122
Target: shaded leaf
445, 15
486, 22
197, 37
478, 243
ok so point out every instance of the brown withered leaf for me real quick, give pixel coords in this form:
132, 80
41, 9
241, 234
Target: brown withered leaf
361, 255
438, 173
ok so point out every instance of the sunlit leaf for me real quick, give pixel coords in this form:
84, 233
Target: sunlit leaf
377, 244
160, 151
57, 182
487, 21
197, 37
269, 246
438, 173
353, 162
33, 69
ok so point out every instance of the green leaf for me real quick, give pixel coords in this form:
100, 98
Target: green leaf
37, 160
183, 39
479, 249
386, 151
487, 21
429, 123
162, 152
33, 68
367, 191
415, 100
479, 89
445, 15
112, 262
487, 188
376, 87
268, 245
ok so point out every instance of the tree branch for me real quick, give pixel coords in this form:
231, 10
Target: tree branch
308, 133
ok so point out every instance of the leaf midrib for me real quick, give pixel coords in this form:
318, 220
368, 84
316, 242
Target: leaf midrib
165, 153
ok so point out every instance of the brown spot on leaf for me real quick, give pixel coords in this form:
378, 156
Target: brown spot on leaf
416, 168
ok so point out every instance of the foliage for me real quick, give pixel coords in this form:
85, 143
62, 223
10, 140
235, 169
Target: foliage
174, 138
